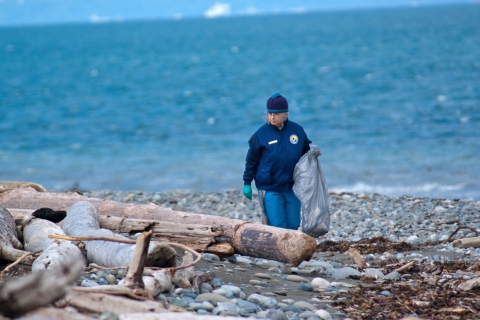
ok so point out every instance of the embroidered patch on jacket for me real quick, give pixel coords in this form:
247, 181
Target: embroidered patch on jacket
272, 142
294, 139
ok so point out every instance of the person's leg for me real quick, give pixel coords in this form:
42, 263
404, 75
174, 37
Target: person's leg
275, 208
292, 208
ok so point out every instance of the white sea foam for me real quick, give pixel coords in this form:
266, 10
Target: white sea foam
361, 187
218, 10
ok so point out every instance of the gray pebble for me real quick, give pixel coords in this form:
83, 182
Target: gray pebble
262, 301
205, 287
292, 308
276, 314
111, 279
247, 306
226, 308
305, 287
89, 283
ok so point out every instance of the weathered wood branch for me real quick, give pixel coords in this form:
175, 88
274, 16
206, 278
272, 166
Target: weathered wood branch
407, 266
467, 242
10, 246
246, 238
357, 258
10, 266
458, 229
133, 279
21, 295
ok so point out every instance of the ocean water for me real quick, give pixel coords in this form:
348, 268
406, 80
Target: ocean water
391, 97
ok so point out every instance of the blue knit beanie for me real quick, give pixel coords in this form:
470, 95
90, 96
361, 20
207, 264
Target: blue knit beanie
276, 103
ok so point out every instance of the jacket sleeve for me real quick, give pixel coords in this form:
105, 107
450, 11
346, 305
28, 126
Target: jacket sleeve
253, 159
306, 145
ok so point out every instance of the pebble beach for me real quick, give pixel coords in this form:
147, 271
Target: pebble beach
353, 216
264, 289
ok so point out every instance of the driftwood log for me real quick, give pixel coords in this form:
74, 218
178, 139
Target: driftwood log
21, 295
201, 238
55, 252
467, 242
10, 185
82, 220
246, 238
10, 246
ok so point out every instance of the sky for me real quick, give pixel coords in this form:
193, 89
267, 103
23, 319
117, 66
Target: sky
32, 12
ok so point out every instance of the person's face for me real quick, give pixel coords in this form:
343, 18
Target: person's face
276, 119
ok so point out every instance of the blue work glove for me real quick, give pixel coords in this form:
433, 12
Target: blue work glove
247, 191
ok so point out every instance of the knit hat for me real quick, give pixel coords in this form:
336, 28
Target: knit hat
276, 103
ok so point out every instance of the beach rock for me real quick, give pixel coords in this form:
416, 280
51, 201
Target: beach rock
276, 314
247, 306
226, 308
346, 272
305, 287
295, 278
304, 305
320, 283
262, 301
211, 297
323, 314
374, 273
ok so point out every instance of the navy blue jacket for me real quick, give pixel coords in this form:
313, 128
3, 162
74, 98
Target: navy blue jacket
273, 155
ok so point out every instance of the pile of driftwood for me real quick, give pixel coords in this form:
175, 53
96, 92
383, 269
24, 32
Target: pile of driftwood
88, 236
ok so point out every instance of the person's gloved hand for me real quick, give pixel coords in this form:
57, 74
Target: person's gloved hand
247, 191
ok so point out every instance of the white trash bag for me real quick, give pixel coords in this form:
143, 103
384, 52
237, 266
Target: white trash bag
311, 189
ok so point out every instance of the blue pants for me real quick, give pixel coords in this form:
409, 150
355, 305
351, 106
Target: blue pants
283, 209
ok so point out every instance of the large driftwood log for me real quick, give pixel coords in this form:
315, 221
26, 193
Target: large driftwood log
21, 295
201, 238
198, 237
82, 220
246, 238
55, 252
10, 185
10, 246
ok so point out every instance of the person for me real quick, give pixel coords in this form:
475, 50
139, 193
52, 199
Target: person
274, 150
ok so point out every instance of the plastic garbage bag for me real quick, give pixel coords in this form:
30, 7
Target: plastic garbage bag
311, 189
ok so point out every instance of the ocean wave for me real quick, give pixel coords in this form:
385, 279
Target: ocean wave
429, 189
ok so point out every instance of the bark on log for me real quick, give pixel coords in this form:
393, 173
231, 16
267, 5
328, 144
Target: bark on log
246, 238
198, 237
82, 220
9, 244
55, 252
467, 242
21, 295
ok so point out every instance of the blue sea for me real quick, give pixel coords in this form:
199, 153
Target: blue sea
391, 97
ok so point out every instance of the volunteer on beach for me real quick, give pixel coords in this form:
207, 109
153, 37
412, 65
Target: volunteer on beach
275, 149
